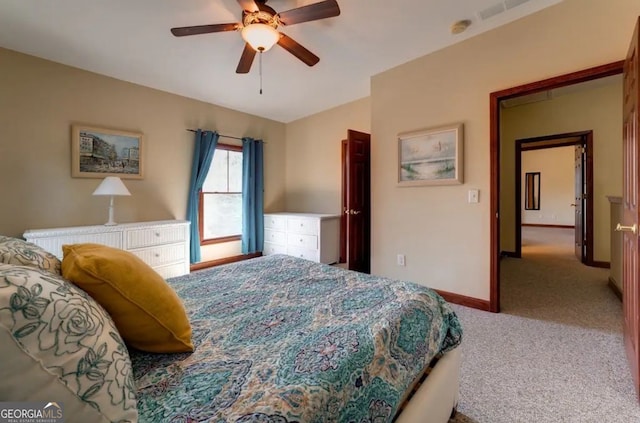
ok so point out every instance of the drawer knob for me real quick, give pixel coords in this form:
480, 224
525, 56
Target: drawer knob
300, 239
157, 233
157, 254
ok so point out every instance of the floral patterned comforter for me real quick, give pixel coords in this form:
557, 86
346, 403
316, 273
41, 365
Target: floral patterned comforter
280, 339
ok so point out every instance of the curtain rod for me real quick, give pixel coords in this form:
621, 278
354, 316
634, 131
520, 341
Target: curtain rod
225, 136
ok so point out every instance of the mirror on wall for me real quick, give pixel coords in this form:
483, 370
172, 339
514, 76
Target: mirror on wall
532, 191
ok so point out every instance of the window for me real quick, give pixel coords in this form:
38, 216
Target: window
221, 197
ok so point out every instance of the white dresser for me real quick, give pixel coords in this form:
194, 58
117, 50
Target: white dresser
163, 245
310, 236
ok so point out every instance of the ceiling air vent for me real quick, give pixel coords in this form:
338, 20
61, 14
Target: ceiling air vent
491, 11
510, 4
526, 99
498, 8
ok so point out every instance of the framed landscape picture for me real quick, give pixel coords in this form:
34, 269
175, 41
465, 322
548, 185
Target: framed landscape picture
100, 152
431, 156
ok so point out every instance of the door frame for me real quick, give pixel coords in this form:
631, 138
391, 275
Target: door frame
583, 138
343, 204
495, 98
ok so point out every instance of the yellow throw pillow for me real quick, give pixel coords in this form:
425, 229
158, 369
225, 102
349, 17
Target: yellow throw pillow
147, 312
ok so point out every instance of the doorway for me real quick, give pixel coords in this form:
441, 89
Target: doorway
583, 188
495, 100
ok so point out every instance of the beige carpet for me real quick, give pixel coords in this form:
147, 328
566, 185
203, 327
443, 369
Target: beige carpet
555, 352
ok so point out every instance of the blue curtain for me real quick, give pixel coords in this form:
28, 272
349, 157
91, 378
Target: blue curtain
205, 146
252, 196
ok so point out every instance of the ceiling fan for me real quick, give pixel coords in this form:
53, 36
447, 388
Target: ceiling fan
259, 29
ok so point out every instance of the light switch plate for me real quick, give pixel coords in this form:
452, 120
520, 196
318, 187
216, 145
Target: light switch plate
474, 195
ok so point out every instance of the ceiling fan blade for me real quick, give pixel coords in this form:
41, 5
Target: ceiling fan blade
248, 5
204, 29
246, 60
311, 12
297, 50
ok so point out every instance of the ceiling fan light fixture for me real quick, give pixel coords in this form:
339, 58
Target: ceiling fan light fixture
260, 36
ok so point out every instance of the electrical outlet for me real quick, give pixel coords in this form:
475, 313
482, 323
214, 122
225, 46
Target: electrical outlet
401, 260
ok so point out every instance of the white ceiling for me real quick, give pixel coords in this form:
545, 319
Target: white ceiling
130, 40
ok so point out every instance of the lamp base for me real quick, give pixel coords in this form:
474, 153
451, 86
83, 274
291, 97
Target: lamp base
110, 222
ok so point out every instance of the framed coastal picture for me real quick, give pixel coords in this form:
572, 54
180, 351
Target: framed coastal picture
101, 152
431, 156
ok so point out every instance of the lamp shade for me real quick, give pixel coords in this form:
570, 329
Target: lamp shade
260, 36
111, 185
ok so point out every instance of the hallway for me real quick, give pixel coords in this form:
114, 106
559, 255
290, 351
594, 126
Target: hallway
555, 352
549, 283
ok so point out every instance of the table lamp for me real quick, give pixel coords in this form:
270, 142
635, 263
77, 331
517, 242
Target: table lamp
111, 185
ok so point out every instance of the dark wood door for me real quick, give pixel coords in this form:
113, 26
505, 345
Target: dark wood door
356, 201
579, 202
629, 224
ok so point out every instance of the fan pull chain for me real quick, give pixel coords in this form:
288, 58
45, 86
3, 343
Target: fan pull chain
260, 72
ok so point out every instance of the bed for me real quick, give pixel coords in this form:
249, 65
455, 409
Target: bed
277, 339
280, 339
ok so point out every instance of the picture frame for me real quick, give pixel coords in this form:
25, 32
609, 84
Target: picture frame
100, 152
432, 156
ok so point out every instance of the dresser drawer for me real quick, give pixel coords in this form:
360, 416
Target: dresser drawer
309, 242
54, 244
270, 248
275, 237
303, 226
303, 253
275, 222
147, 237
164, 254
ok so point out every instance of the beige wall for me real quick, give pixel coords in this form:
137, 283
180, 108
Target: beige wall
445, 239
598, 109
40, 100
313, 156
557, 193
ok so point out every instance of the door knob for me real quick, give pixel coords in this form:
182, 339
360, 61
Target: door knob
621, 228
352, 212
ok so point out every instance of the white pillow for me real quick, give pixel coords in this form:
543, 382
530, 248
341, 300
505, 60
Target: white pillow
59, 345
23, 253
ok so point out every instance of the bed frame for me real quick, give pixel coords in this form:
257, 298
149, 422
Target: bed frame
436, 399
